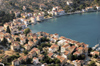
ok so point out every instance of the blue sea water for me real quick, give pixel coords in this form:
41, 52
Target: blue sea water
80, 27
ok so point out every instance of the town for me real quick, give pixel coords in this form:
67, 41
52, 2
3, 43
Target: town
20, 47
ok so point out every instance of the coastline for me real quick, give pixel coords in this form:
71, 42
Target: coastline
68, 13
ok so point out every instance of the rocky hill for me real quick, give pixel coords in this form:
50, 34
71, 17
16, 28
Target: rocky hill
7, 5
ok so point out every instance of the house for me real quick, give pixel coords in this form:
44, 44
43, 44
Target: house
77, 53
45, 64
15, 62
89, 8
27, 47
65, 54
62, 59
80, 49
53, 48
35, 41
32, 53
33, 20
77, 62
71, 48
62, 37
2, 34
61, 12
26, 22
55, 13
55, 8
15, 47
36, 50
69, 2
1, 38
22, 35
64, 47
50, 55
40, 17
95, 53
98, 7
24, 8
29, 15
6, 25
25, 58
74, 42
22, 40
1, 28
31, 43
35, 60
41, 56
55, 35
17, 14
20, 59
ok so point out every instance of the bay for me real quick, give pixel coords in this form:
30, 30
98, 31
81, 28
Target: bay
80, 27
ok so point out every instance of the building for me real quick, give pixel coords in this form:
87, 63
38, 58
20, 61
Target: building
33, 20
15, 62
53, 48
69, 2
98, 7
27, 47
40, 17
35, 60
89, 8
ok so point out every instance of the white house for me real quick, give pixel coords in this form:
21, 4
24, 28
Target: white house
26, 22
40, 17
1, 28
35, 60
89, 8
65, 54
69, 2
61, 42
61, 12
33, 20
98, 7
15, 62
55, 35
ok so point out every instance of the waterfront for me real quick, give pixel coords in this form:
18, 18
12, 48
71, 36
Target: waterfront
80, 27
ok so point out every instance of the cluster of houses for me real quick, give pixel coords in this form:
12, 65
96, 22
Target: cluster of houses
60, 48
39, 16
57, 11
91, 8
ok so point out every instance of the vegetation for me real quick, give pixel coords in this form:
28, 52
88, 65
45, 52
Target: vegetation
25, 52
92, 63
49, 60
11, 58
6, 17
8, 30
74, 57
26, 31
4, 42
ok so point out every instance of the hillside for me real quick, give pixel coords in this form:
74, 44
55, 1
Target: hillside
7, 5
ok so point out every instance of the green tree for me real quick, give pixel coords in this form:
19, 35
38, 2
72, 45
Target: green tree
17, 39
95, 56
70, 57
8, 30
26, 31
82, 6
25, 52
92, 63
57, 65
4, 42
66, 8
